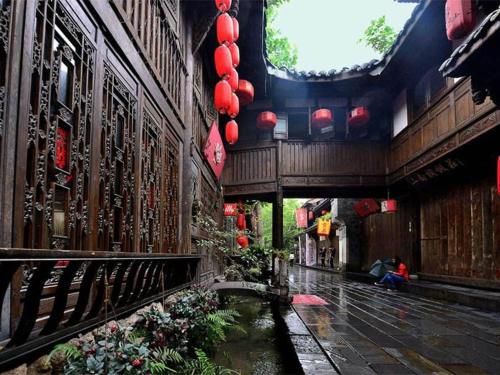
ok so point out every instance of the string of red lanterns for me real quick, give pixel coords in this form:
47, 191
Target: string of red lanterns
228, 95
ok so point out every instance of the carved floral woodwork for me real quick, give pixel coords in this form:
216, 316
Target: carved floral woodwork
58, 133
117, 173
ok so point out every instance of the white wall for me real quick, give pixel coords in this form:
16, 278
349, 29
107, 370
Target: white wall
400, 113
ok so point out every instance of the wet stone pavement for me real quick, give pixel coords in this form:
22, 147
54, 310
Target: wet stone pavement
368, 330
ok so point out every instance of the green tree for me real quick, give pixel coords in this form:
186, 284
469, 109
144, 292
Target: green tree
280, 51
379, 35
290, 229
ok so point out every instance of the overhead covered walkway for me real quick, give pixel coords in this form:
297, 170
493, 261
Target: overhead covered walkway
368, 330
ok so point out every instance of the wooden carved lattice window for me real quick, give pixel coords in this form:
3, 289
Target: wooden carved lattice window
5, 23
59, 132
151, 175
153, 25
171, 197
116, 169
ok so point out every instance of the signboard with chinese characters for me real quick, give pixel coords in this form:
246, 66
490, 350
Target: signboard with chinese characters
214, 151
301, 217
324, 227
230, 209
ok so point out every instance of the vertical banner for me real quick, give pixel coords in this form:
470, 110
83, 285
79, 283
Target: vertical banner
301, 217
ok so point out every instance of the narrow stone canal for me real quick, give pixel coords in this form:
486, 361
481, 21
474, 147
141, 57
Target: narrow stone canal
368, 330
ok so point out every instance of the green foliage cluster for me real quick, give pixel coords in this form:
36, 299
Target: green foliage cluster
379, 35
290, 229
251, 265
280, 51
173, 342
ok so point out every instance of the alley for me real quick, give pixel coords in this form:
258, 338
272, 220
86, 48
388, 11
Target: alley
368, 330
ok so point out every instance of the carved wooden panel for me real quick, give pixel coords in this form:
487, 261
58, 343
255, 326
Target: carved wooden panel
117, 174
171, 179
200, 129
153, 26
151, 178
59, 132
6, 13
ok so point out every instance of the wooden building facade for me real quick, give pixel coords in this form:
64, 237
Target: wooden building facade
104, 111
431, 143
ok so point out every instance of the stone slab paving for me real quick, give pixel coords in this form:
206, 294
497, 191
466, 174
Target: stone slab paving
368, 330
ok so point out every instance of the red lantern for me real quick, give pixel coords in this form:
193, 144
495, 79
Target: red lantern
222, 97
366, 207
241, 222
235, 54
223, 5
322, 118
233, 79
236, 29
242, 241
232, 132
234, 109
358, 117
311, 215
224, 29
223, 61
498, 176
460, 18
245, 92
266, 120
389, 206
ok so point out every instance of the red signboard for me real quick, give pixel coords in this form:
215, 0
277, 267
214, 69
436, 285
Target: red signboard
214, 150
230, 209
62, 139
301, 217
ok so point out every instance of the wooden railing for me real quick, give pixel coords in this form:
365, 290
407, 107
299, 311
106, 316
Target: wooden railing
451, 121
52, 295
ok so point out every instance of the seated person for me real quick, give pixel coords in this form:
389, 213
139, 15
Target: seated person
392, 279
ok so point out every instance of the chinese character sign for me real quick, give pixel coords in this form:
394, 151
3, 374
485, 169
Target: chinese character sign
230, 209
324, 227
301, 217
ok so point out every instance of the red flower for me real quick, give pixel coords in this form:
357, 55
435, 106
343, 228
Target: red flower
113, 328
136, 363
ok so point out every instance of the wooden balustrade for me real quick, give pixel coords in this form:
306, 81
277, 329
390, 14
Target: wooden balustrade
56, 294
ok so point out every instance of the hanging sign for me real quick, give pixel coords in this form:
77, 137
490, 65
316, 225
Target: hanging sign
230, 209
214, 151
324, 227
301, 217
366, 207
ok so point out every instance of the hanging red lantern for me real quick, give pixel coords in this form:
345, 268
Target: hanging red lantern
236, 29
241, 222
232, 132
245, 92
233, 79
358, 117
460, 18
222, 97
242, 240
223, 61
266, 120
321, 118
223, 5
234, 109
235, 54
224, 29
389, 206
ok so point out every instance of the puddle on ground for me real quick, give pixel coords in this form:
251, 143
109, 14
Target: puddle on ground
255, 351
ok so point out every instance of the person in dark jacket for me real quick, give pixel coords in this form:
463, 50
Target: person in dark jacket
392, 279
332, 256
322, 255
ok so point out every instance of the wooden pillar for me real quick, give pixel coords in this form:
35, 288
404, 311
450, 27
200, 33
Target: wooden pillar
278, 220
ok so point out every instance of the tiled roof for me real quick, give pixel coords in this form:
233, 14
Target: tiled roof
349, 72
489, 26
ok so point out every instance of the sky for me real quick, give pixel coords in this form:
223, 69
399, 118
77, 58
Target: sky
326, 32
